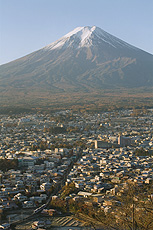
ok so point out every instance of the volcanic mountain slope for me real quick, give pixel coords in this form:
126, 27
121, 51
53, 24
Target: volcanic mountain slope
84, 60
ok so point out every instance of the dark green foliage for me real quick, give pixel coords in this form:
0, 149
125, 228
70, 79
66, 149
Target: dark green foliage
141, 152
6, 164
68, 189
57, 130
59, 204
133, 209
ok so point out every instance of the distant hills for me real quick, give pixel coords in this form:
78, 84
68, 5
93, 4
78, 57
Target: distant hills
85, 61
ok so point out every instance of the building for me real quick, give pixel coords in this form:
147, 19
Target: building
45, 186
102, 144
124, 141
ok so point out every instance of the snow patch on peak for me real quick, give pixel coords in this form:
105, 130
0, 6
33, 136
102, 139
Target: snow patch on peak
75, 31
84, 37
82, 33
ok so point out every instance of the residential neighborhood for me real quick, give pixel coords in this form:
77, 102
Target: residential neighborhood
99, 153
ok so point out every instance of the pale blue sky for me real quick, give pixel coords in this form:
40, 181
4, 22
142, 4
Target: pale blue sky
28, 25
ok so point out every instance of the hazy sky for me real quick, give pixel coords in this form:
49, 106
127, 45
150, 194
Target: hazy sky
28, 25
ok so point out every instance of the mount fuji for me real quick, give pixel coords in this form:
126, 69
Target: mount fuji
86, 59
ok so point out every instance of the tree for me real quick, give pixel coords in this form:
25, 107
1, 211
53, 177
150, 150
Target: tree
135, 210
68, 189
6, 164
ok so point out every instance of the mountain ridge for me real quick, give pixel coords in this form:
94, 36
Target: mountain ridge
86, 59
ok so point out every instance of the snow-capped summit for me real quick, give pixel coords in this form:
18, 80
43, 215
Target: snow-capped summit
79, 37
86, 37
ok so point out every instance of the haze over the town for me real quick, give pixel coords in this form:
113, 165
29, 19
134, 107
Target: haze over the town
26, 26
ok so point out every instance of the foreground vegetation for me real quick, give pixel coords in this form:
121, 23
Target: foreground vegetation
6, 164
132, 209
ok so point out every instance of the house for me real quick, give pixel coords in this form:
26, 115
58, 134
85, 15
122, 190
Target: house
37, 199
20, 197
49, 212
97, 198
38, 224
5, 226
84, 194
44, 196
45, 186
28, 204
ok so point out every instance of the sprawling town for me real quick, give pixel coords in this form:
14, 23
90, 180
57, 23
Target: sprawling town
74, 169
